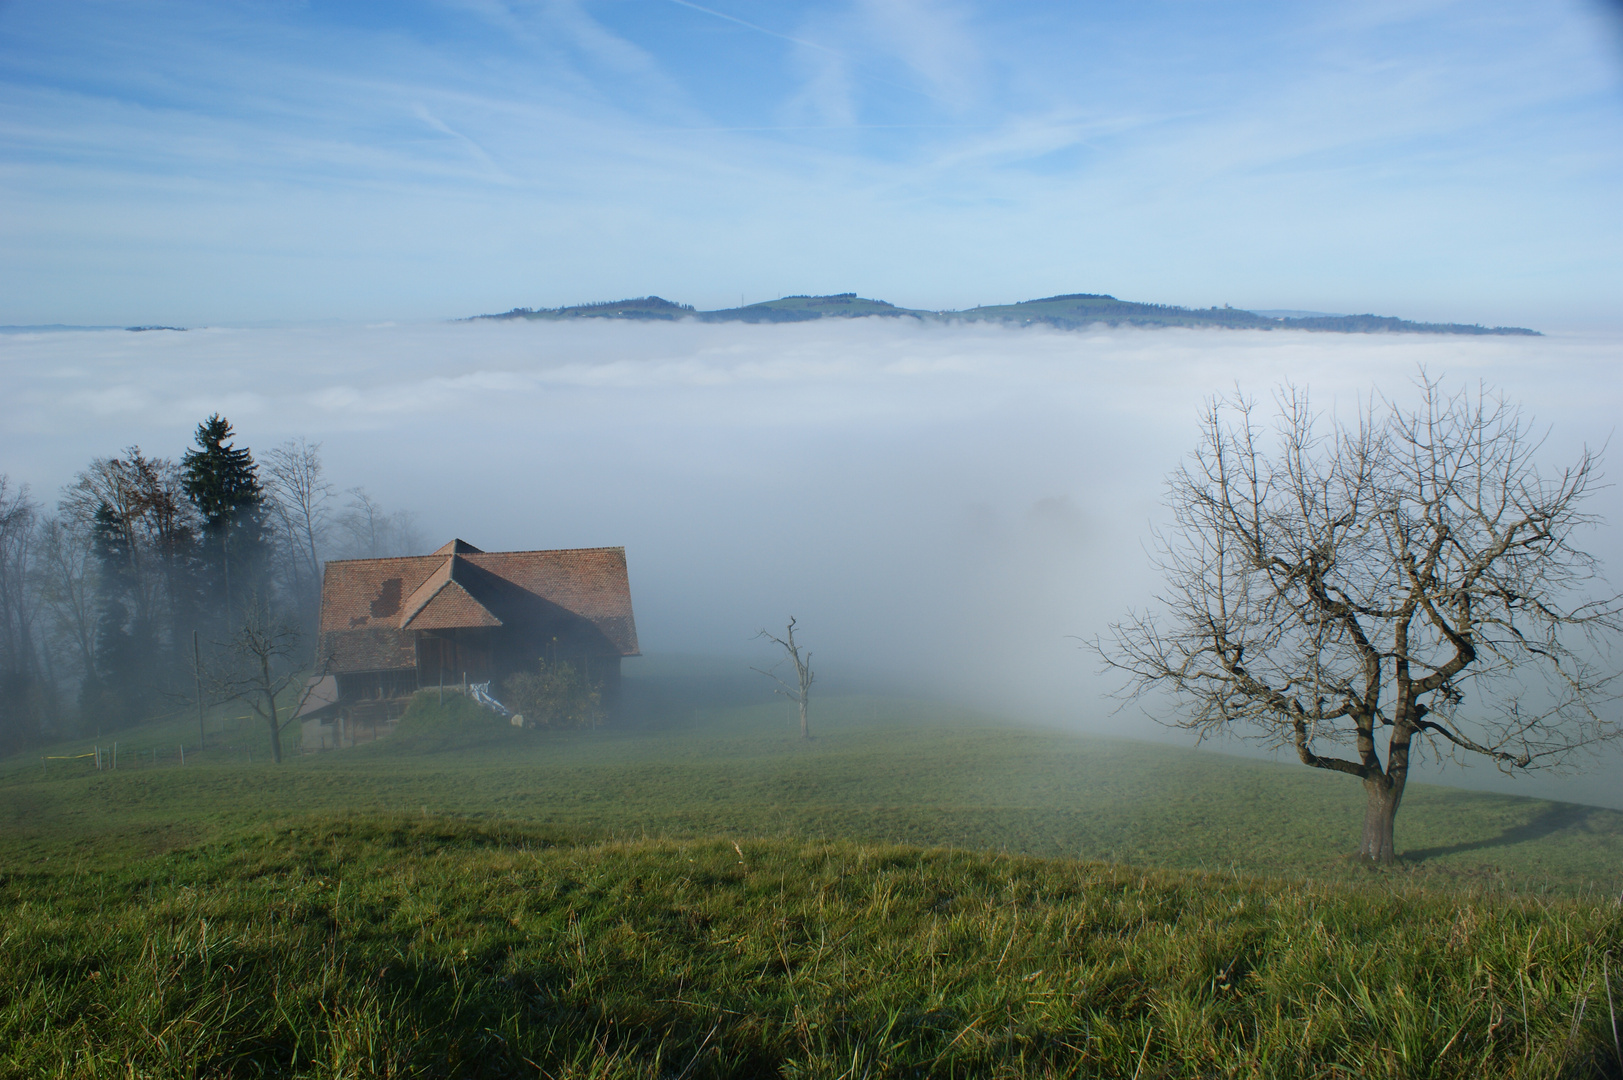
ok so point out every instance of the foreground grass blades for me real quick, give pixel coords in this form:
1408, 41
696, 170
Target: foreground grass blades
399, 947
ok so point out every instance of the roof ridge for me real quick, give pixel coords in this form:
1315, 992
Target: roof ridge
474, 551
448, 576
552, 551
419, 599
379, 558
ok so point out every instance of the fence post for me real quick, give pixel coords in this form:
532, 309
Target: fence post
183, 753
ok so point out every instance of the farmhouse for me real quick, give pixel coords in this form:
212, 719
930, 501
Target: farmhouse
390, 627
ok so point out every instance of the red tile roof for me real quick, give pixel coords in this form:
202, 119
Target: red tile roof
443, 602
380, 649
370, 608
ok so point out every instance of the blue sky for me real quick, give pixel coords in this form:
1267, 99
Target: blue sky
248, 162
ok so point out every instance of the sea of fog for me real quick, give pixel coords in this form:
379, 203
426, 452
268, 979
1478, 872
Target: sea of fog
945, 509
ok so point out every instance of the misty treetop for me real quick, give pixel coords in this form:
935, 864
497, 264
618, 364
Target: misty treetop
99, 601
221, 479
222, 482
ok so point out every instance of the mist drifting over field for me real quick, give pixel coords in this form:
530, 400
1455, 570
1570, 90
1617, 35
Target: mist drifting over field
944, 509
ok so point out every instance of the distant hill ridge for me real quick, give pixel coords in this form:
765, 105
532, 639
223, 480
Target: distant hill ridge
1069, 311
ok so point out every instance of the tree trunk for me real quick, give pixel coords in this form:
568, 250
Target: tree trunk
805, 732
1379, 815
225, 565
275, 731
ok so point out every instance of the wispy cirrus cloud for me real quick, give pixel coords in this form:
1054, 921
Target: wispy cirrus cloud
293, 162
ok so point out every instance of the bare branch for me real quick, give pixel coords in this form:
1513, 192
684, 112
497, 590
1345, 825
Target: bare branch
259, 664
1412, 573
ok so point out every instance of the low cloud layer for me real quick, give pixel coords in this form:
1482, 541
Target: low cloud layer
943, 508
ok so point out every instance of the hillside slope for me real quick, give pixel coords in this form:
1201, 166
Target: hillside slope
880, 771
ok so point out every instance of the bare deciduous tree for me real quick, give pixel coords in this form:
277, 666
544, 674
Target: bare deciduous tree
65, 583
21, 681
370, 532
800, 691
144, 501
299, 498
1415, 576
19, 516
258, 664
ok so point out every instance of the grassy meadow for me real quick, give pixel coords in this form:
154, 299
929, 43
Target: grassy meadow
920, 891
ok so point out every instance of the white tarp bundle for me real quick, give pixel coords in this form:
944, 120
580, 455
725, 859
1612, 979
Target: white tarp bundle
480, 692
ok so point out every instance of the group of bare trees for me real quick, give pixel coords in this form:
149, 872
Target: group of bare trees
100, 596
311, 525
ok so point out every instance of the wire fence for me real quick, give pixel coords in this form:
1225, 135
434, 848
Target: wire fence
111, 757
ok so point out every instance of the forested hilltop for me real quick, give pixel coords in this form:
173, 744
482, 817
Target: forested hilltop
1071, 311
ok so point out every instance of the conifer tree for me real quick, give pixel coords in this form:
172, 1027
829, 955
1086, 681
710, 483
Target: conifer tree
222, 481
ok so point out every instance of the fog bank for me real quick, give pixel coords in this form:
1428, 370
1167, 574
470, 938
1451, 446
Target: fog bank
944, 509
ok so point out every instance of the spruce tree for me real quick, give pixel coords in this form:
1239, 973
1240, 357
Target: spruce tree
222, 481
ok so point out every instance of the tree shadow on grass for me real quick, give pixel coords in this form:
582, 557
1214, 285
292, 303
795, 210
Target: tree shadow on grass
1557, 817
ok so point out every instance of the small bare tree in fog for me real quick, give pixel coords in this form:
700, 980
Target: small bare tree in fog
65, 583
19, 535
799, 691
1415, 576
371, 532
22, 678
257, 665
299, 498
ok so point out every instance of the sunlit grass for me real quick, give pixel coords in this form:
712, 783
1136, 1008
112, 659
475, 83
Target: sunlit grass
378, 947
920, 891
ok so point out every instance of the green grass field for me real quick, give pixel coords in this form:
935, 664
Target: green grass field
919, 891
